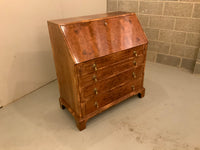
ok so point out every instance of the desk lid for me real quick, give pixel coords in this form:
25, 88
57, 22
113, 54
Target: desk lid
94, 36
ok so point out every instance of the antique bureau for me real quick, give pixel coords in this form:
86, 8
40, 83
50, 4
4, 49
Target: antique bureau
99, 61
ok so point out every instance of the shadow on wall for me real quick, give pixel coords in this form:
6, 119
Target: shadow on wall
197, 65
30, 70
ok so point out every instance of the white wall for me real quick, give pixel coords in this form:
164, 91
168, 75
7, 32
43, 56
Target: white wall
26, 61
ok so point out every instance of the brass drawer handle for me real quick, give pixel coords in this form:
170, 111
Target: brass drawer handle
133, 87
95, 67
135, 63
135, 53
96, 104
134, 75
95, 78
105, 23
95, 91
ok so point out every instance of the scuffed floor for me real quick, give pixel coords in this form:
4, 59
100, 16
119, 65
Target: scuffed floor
167, 118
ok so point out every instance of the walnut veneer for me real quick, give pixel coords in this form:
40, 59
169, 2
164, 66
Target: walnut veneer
99, 61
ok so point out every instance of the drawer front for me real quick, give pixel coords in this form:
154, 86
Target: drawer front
98, 101
112, 70
99, 63
109, 83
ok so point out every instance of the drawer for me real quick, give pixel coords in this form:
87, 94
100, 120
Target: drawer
105, 61
109, 83
107, 72
98, 101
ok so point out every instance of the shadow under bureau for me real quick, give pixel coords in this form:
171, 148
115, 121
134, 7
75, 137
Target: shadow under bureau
99, 61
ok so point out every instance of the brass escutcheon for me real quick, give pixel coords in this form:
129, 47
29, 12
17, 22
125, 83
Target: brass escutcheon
95, 78
95, 67
105, 23
135, 53
135, 63
134, 75
96, 104
95, 91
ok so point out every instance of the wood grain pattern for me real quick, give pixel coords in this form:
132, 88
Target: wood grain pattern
106, 72
109, 83
66, 78
96, 38
99, 62
112, 59
113, 94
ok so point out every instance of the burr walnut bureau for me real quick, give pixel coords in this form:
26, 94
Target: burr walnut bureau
99, 62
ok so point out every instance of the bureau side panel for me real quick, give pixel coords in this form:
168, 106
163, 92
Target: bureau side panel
65, 70
145, 55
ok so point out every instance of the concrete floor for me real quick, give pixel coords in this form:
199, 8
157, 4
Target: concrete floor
167, 118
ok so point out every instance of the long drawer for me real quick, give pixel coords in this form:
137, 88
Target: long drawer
98, 101
101, 62
107, 72
109, 83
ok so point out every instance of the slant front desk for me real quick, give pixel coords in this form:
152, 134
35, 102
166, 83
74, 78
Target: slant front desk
99, 62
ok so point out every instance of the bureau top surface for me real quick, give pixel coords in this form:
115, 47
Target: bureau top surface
89, 37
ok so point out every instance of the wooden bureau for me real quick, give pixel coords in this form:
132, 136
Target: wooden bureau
99, 61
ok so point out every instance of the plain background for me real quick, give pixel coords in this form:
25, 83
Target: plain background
26, 61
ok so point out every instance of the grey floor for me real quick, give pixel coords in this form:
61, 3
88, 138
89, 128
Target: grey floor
167, 118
